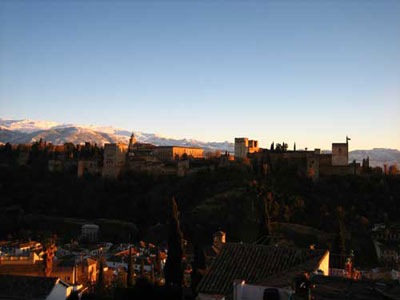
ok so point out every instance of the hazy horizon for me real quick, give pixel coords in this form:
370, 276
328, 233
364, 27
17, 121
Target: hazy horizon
308, 72
160, 134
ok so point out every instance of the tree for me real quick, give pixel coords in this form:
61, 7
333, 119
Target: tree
266, 203
130, 277
49, 253
153, 275
341, 237
198, 266
142, 273
174, 267
101, 286
158, 263
394, 169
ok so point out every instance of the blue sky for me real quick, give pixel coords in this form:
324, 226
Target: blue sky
305, 71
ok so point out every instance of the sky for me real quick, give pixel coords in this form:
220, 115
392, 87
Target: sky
302, 71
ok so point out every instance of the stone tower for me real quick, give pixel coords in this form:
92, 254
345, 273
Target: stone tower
340, 153
243, 146
114, 159
132, 141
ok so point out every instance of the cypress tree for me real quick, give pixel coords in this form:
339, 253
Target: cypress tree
199, 266
265, 203
158, 263
142, 274
153, 275
174, 267
100, 286
130, 276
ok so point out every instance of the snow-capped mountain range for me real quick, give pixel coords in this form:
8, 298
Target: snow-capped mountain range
28, 131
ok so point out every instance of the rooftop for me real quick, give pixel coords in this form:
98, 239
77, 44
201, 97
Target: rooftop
255, 264
327, 288
36, 269
26, 287
92, 226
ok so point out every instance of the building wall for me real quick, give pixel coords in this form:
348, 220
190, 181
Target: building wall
324, 264
114, 159
256, 292
163, 153
189, 152
59, 292
173, 152
64, 273
86, 273
340, 154
21, 260
241, 147
305, 162
88, 167
313, 166
252, 146
325, 160
309, 162
90, 232
202, 296
340, 170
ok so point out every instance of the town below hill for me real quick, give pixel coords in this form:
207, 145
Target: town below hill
122, 221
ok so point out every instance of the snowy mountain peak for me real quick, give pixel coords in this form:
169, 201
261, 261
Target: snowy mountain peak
27, 125
27, 131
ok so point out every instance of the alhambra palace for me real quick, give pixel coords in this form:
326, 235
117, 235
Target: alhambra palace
116, 159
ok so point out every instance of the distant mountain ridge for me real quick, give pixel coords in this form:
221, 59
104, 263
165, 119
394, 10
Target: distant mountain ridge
28, 131
377, 156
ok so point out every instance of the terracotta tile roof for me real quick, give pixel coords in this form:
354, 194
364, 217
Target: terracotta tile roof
26, 287
36, 269
90, 261
23, 269
329, 288
254, 263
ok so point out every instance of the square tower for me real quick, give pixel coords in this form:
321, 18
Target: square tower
340, 154
114, 159
241, 147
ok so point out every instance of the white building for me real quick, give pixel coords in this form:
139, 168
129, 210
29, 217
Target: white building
90, 232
